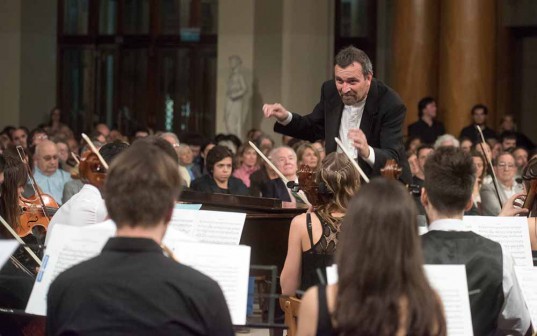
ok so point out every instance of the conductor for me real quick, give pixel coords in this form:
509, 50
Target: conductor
363, 112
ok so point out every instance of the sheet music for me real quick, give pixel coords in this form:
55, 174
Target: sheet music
331, 275
68, 246
216, 227
450, 283
228, 265
511, 232
527, 278
7, 247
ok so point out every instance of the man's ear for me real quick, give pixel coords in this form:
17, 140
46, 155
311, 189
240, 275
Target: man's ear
168, 217
470, 204
424, 198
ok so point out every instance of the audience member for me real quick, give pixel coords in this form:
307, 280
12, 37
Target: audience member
466, 145
508, 124
319, 148
480, 173
104, 130
49, 178
219, 180
382, 288
412, 143
56, 127
174, 141
313, 237
20, 137
479, 116
132, 287
307, 155
37, 135
186, 159
427, 128
505, 169
231, 141
200, 160
521, 159
284, 159
496, 303
445, 141
248, 164
265, 144
508, 140
259, 178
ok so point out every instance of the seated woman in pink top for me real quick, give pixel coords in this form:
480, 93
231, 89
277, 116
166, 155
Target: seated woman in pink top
248, 164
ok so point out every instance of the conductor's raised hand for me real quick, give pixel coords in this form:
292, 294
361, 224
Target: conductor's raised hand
275, 110
359, 141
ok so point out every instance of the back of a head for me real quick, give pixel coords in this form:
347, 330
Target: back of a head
338, 182
141, 187
162, 144
110, 150
380, 260
449, 180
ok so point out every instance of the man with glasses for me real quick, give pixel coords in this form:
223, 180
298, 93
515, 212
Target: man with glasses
49, 178
505, 169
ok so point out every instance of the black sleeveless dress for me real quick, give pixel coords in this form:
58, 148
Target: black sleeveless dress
320, 255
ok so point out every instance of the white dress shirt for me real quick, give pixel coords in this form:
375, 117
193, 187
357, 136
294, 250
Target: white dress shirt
514, 315
350, 118
84, 208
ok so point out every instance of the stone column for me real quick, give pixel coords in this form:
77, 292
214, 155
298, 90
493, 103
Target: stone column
415, 52
467, 60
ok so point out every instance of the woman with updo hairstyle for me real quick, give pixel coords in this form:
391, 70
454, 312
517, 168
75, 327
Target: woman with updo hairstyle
382, 288
219, 164
313, 237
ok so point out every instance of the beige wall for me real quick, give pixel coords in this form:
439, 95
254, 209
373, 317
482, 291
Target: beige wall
28, 61
38, 51
287, 47
10, 59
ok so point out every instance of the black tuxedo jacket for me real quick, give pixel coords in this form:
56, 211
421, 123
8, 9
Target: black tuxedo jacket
382, 124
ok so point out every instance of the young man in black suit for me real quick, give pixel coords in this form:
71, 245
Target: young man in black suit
363, 112
132, 288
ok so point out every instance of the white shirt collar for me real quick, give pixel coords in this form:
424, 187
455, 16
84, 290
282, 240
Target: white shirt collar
448, 225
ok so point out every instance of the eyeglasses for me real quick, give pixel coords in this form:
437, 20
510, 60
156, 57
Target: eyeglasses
50, 157
504, 165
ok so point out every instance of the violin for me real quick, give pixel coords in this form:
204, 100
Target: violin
529, 176
91, 170
306, 182
37, 210
393, 171
35, 217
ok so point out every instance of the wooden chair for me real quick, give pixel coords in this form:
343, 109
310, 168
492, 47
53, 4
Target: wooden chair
290, 306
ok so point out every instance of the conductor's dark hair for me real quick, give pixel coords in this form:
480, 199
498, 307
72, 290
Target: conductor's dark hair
449, 179
216, 154
351, 54
422, 104
480, 107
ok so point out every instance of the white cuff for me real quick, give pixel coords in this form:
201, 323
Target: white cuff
287, 120
371, 158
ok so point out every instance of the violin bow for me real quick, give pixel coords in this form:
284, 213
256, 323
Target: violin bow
354, 163
75, 157
94, 150
24, 159
16, 236
489, 162
284, 179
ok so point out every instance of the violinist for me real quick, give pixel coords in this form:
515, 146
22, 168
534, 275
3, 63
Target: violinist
87, 206
313, 237
48, 176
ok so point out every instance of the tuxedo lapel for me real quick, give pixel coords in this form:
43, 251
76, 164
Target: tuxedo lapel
332, 122
370, 109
